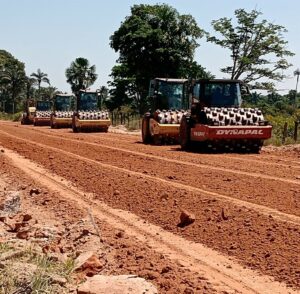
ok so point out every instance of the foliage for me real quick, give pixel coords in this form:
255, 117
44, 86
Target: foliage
196, 71
12, 80
103, 94
47, 93
258, 49
11, 116
80, 75
127, 117
154, 41
16, 88
272, 103
123, 88
40, 77
29, 83
39, 273
5, 57
4, 247
278, 122
278, 110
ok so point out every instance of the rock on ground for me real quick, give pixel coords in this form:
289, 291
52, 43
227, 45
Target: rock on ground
186, 218
123, 284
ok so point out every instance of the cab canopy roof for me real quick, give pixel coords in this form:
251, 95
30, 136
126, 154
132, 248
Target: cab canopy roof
219, 81
64, 95
32, 109
88, 91
171, 80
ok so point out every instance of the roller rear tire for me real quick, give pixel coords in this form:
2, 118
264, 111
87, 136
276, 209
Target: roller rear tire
146, 136
51, 123
74, 128
185, 133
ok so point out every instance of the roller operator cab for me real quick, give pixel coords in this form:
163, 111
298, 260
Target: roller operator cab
63, 108
42, 114
168, 100
88, 113
217, 121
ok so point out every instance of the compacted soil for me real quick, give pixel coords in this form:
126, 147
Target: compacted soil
245, 208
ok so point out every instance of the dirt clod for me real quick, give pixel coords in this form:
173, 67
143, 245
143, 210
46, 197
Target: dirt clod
27, 217
223, 214
35, 191
186, 218
116, 192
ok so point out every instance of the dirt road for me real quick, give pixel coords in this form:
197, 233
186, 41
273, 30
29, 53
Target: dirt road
246, 235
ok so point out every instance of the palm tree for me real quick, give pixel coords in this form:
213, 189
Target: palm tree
40, 77
296, 73
13, 79
103, 91
80, 75
30, 82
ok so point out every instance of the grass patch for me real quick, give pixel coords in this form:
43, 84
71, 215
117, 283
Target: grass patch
33, 272
4, 247
277, 123
9, 116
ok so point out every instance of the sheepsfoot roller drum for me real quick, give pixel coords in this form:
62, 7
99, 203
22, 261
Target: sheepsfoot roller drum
219, 123
168, 99
42, 114
61, 116
88, 115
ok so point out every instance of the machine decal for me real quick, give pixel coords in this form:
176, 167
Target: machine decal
239, 132
199, 134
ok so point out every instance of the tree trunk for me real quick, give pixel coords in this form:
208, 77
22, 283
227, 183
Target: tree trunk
284, 134
296, 131
296, 92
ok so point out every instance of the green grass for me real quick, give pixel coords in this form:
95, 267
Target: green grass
39, 280
10, 116
4, 247
278, 122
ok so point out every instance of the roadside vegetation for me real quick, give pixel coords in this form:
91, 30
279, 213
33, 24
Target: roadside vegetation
28, 270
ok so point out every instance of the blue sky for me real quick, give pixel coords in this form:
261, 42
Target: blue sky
50, 34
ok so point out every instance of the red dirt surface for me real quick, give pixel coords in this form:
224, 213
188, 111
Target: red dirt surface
247, 207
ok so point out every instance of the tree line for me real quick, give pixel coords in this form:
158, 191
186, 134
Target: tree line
158, 41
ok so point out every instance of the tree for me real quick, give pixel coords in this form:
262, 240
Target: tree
103, 92
47, 93
123, 88
13, 79
154, 41
30, 82
257, 48
11, 72
40, 77
5, 57
296, 73
80, 75
197, 71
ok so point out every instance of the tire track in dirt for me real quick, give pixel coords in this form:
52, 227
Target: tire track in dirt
246, 234
225, 274
265, 158
281, 216
124, 254
256, 158
201, 166
257, 191
126, 138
